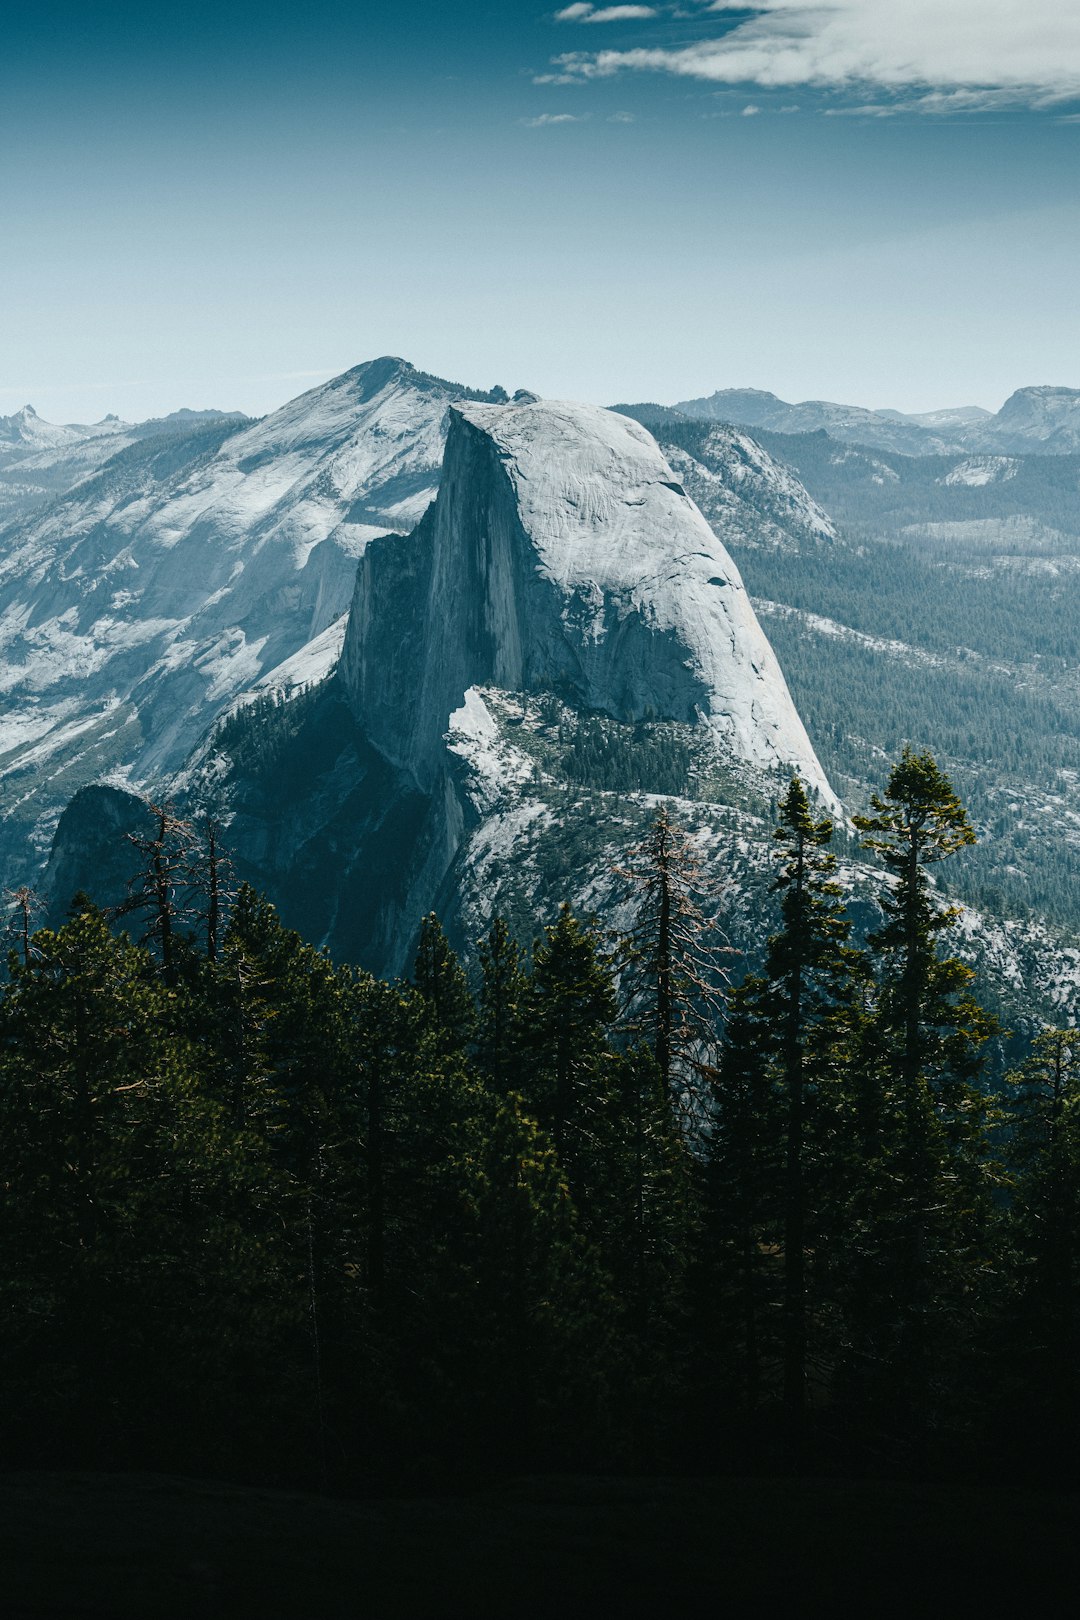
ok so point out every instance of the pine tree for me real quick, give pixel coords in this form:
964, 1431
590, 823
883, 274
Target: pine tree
742, 1174
160, 889
211, 875
930, 1035
807, 985
1044, 1227
572, 1007
501, 1021
442, 986
26, 909
672, 976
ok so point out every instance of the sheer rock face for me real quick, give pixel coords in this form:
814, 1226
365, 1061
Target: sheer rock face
562, 554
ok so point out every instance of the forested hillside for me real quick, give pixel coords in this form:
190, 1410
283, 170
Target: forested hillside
594, 1209
947, 614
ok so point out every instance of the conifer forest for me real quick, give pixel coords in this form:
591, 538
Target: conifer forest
607, 1203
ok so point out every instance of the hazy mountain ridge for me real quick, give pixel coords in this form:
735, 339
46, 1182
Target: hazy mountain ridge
41, 460
1039, 419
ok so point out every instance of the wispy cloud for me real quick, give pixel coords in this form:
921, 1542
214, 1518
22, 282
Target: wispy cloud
943, 102
605, 14
543, 119
1026, 50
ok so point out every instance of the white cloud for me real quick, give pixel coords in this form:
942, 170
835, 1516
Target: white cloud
623, 118
605, 14
542, 121
750, 111
1027, 48
943, 102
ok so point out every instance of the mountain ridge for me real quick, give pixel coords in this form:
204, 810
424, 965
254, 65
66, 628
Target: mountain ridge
1040, 418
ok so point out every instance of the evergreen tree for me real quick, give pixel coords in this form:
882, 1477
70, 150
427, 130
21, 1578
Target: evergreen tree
670, 957
1044, 1236
800, 1020
160, 889
742, 1174
501, 1023
930, 1034
26, 908
572, 1007
442, 986
212, 878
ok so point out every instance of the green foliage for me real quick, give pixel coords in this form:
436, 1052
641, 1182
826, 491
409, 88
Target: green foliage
616, 758
442, 987
263, 1213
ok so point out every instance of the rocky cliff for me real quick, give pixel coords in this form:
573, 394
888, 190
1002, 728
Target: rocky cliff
563, 554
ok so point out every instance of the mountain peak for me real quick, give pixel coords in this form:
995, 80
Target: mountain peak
563, 549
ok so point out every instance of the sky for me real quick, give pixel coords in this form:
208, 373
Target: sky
871, 201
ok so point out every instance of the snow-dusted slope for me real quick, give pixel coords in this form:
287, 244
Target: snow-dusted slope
27, 433
563, 553
138, 606
1035, 419
748, 498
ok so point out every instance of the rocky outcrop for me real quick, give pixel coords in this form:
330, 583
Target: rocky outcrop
563, 554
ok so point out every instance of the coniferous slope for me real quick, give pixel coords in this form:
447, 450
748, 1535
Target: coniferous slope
944, 612
266, 1215
40, 460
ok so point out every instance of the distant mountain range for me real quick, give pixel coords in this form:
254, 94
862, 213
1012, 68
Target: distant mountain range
1038, 420
40, 460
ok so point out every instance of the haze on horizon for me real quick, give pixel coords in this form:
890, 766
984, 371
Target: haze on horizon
869, 201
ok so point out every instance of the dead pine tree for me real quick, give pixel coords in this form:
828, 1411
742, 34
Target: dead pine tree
212, 878
160, 890
25, 910
671, 959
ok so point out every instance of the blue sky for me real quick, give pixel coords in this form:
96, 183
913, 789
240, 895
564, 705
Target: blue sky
876, 201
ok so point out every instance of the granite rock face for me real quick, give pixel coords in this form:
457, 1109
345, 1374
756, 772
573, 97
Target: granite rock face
563, 554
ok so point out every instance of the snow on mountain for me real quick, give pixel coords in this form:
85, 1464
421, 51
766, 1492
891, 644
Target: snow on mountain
563, 551
979, 471
141, 604
40, 460
562, 607
950, 419
748, 498
26, 430
1039, 419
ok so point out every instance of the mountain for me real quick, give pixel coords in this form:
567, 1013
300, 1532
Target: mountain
40, 460
748, 496
562, 554
1042, 420
755, 408
560, 638
1047, 419
136, 607
944, 614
